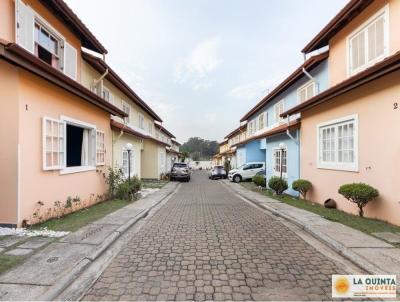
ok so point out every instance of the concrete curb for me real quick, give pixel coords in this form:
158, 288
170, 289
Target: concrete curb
336, 246
67, 279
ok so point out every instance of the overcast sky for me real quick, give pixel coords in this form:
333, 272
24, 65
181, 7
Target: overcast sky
202, 64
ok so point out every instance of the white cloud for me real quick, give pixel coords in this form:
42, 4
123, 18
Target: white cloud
199, 64
255, 89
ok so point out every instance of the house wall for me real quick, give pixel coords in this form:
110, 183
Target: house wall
119, 144
338, 44
150, 160
9, 173
378, 147
254, 153
293, 158
290, 97
38, 99
240, 156
7, 25
89, 74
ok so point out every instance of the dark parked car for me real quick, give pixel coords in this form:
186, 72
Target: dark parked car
217, 172
180, 171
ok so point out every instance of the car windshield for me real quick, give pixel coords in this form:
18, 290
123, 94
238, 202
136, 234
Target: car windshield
241, 166
218, 167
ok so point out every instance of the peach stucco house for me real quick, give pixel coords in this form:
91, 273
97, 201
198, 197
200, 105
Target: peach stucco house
349, 132
55, 133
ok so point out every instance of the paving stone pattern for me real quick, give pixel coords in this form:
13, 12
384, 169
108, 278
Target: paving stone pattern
205, 243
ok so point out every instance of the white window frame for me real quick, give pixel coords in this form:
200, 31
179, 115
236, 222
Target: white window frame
141, 121
101, 150
128, 106
263, 119
61, 149
110, 95
78, 123
278, 118
384, 12
351, 167
151, 128
132, 162
37, 18
305, 87
278, 173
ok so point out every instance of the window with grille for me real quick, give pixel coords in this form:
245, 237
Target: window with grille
53, 144
280, 161
126, 162
100, 148
337, 147
369, 44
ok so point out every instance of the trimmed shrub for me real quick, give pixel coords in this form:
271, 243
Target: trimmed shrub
359, 193
279, 185
302, 186
259, 180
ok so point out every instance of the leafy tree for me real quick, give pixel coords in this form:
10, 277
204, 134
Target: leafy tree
198, 148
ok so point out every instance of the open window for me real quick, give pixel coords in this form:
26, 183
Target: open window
37, 36
48, 46
71, 146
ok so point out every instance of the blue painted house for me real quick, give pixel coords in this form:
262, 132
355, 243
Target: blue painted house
273, 139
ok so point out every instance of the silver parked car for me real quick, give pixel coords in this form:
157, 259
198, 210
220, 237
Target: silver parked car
217, 172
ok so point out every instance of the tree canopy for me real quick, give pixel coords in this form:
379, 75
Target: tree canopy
200, 149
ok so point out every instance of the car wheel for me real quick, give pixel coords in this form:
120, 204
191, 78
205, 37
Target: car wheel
237, 178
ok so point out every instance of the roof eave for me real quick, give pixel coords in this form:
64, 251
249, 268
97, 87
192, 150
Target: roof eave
349, 12
18, 56
101, 66
383, 68
310, 64
62, 11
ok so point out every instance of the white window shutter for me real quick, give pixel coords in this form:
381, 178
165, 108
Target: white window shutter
70, 61
54, 142
92, 147
24, 27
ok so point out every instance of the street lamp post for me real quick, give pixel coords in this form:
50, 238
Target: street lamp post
129, 148
282, 147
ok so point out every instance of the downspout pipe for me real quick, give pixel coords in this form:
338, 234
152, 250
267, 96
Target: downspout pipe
296, 140
312, 79
101, 78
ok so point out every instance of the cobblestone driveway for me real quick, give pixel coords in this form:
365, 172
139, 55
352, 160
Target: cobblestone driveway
208, 244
